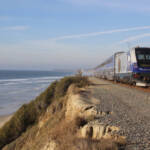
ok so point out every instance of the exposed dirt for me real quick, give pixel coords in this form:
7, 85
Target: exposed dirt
130, 110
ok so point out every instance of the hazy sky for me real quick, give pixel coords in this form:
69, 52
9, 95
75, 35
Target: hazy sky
69, 34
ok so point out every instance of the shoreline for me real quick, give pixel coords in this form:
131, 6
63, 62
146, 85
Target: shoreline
4, 119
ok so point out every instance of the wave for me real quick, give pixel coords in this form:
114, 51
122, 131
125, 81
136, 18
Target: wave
15, 92
8, 82
24, 79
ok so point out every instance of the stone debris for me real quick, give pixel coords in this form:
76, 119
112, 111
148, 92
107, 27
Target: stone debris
97, 131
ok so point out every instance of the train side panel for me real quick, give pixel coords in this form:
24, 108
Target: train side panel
123, 70
121, 63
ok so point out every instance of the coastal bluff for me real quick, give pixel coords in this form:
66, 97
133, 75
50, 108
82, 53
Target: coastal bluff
70, 121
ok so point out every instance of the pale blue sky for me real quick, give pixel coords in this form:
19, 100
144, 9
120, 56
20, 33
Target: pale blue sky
69, 34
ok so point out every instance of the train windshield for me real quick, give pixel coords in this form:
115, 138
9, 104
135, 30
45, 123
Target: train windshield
143, 57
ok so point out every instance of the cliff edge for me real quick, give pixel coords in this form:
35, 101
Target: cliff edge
70, 121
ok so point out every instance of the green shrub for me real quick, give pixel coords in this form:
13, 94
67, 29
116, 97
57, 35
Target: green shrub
45, 98
29, 114
64, 83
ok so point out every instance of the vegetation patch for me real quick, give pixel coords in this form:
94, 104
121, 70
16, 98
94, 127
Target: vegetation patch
65, 136
63, 85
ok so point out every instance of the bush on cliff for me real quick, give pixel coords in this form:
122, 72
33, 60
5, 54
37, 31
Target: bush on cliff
63, 85
29, 114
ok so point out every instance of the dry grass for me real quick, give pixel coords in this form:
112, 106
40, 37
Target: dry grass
65, 136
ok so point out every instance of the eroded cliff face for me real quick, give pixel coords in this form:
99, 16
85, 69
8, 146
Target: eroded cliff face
71, 123
84, 106
82, 115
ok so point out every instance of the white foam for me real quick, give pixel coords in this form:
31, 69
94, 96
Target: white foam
24, 79
16, 92
8, 82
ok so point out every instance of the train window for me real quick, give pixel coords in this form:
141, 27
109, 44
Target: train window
147, 57
141, 57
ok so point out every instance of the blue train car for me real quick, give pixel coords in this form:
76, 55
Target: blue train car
130, 67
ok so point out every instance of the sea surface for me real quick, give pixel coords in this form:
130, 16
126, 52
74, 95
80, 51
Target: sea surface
20, 87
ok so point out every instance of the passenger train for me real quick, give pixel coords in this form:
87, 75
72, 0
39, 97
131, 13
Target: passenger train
131, 67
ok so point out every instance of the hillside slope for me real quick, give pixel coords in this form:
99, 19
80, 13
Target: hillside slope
70, 122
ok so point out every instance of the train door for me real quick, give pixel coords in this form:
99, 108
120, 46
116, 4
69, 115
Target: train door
121, 66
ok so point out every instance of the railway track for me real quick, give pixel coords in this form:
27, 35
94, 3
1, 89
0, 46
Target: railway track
145, 89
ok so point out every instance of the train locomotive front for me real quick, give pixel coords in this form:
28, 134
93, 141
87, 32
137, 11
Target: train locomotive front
140, 65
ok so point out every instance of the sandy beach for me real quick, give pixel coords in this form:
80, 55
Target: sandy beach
4, 119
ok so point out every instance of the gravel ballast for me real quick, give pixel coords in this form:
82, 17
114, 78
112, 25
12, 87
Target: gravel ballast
130, 110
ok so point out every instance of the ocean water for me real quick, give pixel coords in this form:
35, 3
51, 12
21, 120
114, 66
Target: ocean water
20, 87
